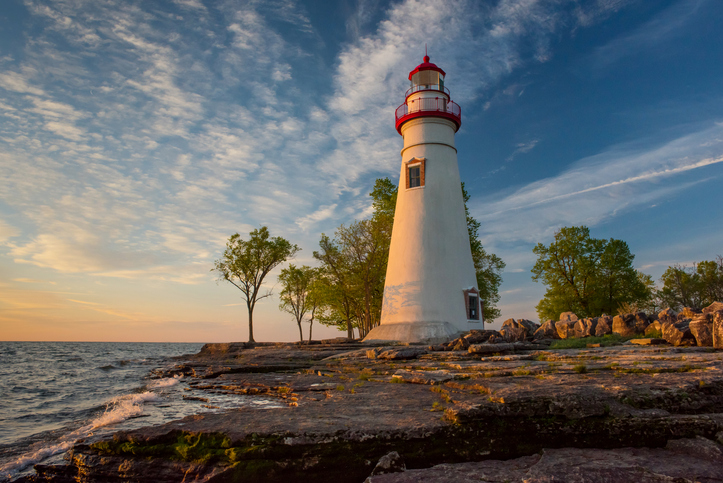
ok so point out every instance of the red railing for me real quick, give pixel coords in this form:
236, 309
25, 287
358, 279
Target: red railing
428, 106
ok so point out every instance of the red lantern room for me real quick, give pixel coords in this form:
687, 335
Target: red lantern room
427, 97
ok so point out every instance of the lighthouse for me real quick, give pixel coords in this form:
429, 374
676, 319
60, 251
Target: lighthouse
430, 292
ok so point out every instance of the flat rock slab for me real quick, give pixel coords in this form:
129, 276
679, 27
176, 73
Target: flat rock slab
687, 460
648, 341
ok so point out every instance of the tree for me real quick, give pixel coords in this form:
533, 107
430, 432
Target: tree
245, 264
488, 267
296, 283
696, 286
586, 275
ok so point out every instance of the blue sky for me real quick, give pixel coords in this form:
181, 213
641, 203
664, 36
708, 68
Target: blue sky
136, 136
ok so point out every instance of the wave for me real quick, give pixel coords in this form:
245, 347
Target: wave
117, 410
165, 382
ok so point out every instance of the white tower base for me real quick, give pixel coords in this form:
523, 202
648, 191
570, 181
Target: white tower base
413, 332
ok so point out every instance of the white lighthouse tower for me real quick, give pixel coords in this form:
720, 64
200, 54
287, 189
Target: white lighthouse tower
430, 293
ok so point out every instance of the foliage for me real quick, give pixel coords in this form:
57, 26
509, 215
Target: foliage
297, 297
604, 341
245, 264
587, 276
696, 286
488, 267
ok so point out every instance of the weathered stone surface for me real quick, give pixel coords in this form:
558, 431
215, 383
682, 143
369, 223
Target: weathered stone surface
667, 315
338, 415
401, 354
714, 307
490, 348
648, 341
688, 313
460, 344
585, 327
625, 325
389, 463
717, 329
423, 377
682, 460
604, 326
514, 334
678, 333
565, 328
568, 316
546, 331
702, 329
480, 336
641, 322
654, 328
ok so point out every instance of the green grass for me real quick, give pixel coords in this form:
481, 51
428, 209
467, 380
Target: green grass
580, 368
604, 341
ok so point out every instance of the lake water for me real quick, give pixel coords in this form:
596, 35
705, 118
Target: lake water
54, 394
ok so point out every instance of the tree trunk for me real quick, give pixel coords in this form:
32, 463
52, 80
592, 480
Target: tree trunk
349, 329
311, 323
301, 334
251, 323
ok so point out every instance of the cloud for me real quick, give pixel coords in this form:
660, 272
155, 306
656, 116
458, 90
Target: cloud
597, 188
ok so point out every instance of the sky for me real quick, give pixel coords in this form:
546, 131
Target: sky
136, 136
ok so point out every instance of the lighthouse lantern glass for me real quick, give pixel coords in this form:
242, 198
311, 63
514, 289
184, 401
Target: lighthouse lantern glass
428, 79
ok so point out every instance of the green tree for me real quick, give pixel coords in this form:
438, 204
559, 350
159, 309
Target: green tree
697, 286
488, 267
586, 275
295, 296
245, 264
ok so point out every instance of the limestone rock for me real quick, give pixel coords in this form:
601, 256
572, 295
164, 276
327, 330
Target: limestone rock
604, 326
423, 377
546, 331
568, 316
688, 313
514, 334
585, 327
566, 328
667, 315
678, 333
490, 348
460, 344
702, 329
648, 341
479, 336
641, 322
654, 328
714, 307
389, 463
625, 325
401, 354
717, 329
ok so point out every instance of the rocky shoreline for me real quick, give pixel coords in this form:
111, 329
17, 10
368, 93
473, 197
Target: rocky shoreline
346, 411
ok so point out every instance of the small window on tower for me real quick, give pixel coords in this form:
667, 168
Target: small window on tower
471, 304
414, 176
415, 173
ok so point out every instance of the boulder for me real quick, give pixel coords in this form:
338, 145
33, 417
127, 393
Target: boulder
702, 329
546, 331
400, 354
667, 315
566, 328
714, 307
654, 328
491, 348
389, 463
678, 333
568, 316
688, 313
625, 325
604, 326
460, 344
641, 322
514, 334
585, 327
529, 325
496, 339
479, 336
717, 329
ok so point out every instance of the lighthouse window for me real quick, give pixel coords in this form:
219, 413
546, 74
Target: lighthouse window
415, 173
414, 176
471, 303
